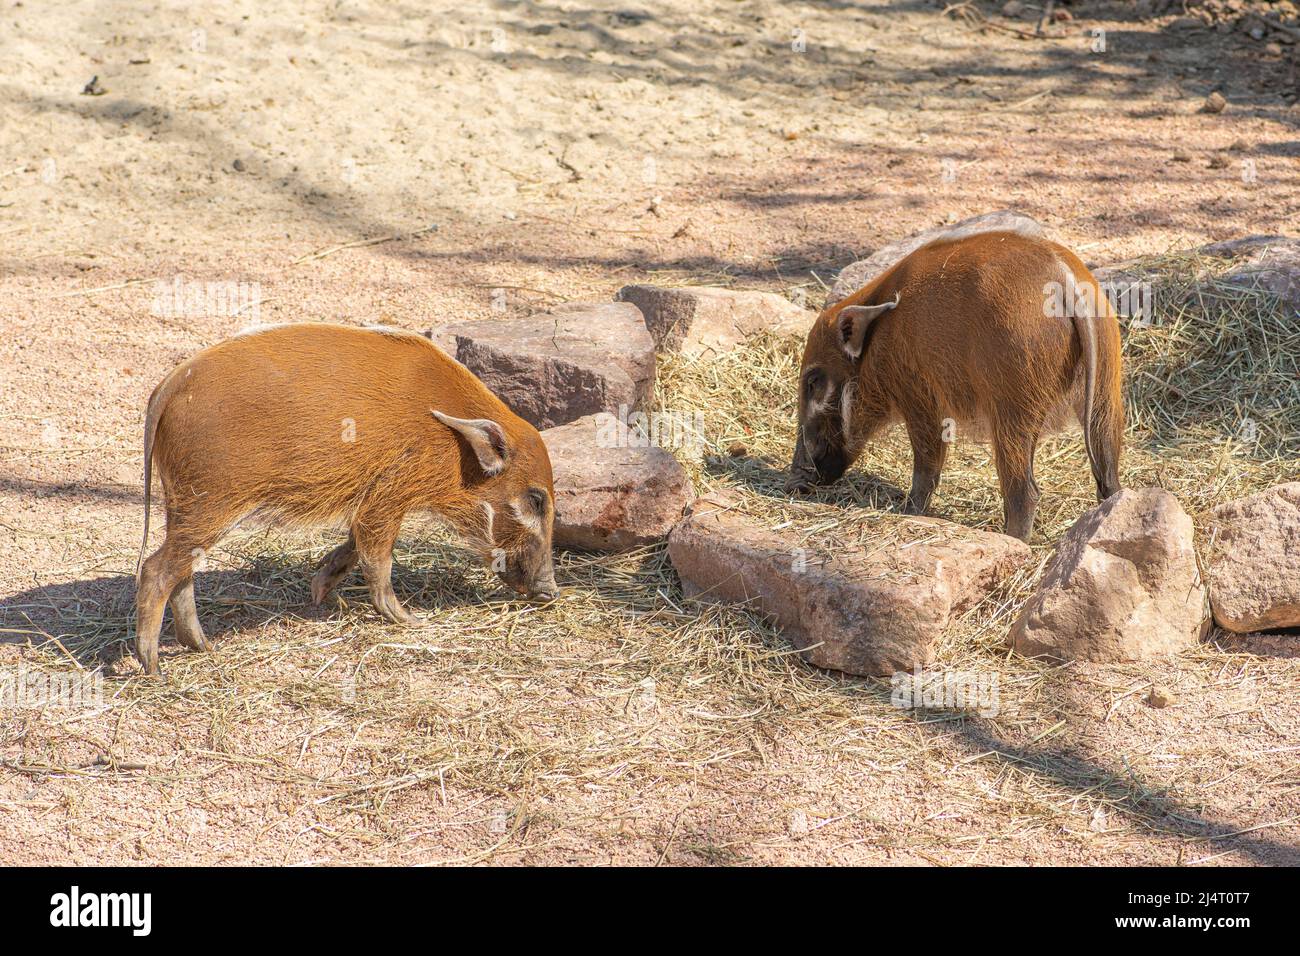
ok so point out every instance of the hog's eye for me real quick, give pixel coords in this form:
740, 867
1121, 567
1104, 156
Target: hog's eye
537, 500
812, 382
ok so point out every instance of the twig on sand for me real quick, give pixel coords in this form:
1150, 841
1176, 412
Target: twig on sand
101, 288
358, 243
1025, 102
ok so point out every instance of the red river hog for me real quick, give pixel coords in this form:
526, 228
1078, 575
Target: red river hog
308, 425
997, 335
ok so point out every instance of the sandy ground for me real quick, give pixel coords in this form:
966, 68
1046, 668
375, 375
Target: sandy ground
552, 152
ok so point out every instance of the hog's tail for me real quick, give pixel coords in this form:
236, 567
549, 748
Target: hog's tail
1083, 327
1097, 364
157, 403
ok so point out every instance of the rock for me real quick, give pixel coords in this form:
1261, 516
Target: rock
737, 449
872, 610
1130, 287
559, 366
854, 276
1160, 697
1271, 263
696, 319
1254, 563
1214, 103
609, 494
1122, 586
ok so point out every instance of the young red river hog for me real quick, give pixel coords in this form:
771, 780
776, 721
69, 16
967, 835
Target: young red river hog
997, 335
310, 425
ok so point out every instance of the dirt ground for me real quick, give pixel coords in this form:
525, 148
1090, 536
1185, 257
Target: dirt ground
524, 153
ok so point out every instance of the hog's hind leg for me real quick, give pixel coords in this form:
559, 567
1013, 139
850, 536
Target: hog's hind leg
163, 572
185, 617
1013, 453
332, 569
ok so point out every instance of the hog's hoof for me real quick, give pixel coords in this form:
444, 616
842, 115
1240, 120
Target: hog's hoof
197, 642
333, 568
391, 610
322, 583
799, 486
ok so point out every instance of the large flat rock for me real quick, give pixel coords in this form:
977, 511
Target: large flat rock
612, 491
558, 366
1123, 585
872, 609
695, 319
1254, 563
1267, 263
857, 274
1271, 263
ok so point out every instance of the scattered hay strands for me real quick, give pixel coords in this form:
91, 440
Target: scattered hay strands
563, 719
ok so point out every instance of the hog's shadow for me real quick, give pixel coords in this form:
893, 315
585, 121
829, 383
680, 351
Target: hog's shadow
93, 619
856, 489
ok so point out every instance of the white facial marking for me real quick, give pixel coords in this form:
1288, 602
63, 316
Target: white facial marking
846, 406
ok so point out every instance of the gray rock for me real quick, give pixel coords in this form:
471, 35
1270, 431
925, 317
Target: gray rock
559, 366
610, 494
1270, 263
695, 319
864, 610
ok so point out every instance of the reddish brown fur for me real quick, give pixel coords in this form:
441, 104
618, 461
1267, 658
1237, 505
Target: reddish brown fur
969, 340
259, 426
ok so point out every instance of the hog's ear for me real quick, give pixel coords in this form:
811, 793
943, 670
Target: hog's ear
853, 323
485, 436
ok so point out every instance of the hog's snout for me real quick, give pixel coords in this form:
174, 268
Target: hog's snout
539, 585
816, 462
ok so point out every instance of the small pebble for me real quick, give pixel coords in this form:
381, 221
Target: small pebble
737, 449
1214, 103
238, 165
1160, 696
